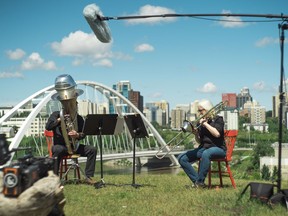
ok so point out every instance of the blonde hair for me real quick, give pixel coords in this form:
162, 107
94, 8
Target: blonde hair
206, 104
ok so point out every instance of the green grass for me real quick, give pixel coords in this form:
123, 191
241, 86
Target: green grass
161, 194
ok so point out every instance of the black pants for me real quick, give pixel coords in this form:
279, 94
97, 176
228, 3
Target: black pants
59, 151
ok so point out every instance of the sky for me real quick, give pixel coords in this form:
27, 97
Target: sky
177, 59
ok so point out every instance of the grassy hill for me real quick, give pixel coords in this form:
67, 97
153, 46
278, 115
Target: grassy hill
166, 194
162, 194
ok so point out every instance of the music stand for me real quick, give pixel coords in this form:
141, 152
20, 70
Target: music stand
137, 129
100, 124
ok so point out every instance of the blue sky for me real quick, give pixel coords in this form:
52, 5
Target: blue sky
178, 59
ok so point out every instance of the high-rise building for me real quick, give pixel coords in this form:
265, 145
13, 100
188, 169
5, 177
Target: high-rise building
256, 112
158, 111
137, 99
164, 107
230, 118
243, 97
231, 99
258, 115
274, 107
86, 107
148, 114
276, 104
160, 117
177, 117
179, 114
123, 87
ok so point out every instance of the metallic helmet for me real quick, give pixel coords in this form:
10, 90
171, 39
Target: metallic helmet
66, 88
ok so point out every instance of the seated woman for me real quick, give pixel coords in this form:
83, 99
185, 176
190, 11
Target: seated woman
210, 136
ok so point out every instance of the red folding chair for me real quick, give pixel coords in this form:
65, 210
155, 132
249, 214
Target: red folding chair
64, 168
230, 138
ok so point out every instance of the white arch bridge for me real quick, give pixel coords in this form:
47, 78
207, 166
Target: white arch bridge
113, 146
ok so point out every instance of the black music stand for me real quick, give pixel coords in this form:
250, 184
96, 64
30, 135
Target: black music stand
137, 129
100, 124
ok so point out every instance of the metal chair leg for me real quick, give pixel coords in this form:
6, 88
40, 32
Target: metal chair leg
76, 168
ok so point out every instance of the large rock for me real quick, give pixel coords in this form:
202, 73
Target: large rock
44, 196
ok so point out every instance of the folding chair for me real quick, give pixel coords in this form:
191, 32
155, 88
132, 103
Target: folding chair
230, 138
64, 168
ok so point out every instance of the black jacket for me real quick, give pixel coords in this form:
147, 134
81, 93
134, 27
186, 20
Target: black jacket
55, 126
207, 139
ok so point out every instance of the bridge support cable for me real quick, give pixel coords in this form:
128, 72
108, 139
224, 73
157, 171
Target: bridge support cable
134, 109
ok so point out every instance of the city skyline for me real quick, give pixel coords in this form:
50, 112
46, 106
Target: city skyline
176, 105
179, 60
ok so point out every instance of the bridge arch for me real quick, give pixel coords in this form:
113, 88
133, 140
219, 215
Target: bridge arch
42, 98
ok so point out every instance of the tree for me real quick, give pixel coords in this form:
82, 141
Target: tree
261, 150
269, 113
274, 173
265, 173
241, 121
273, 124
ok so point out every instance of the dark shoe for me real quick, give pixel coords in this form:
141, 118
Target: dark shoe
200, 185
99, 184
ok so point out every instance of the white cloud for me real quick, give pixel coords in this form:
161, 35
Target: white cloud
78, 62
208, 88
50, 65
266, 41
152, 10
4, 75
259, 85
231, 21
85, 46
120, 56
103, 63
81, 44
144, 48
16, 54
34, 61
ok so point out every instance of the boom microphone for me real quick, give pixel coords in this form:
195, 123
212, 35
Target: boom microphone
94, 17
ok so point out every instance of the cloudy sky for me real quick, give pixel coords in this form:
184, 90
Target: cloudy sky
177, 59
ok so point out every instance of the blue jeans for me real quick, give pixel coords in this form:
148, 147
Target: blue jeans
186, 160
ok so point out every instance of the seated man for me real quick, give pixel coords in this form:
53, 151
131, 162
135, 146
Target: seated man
67, 126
